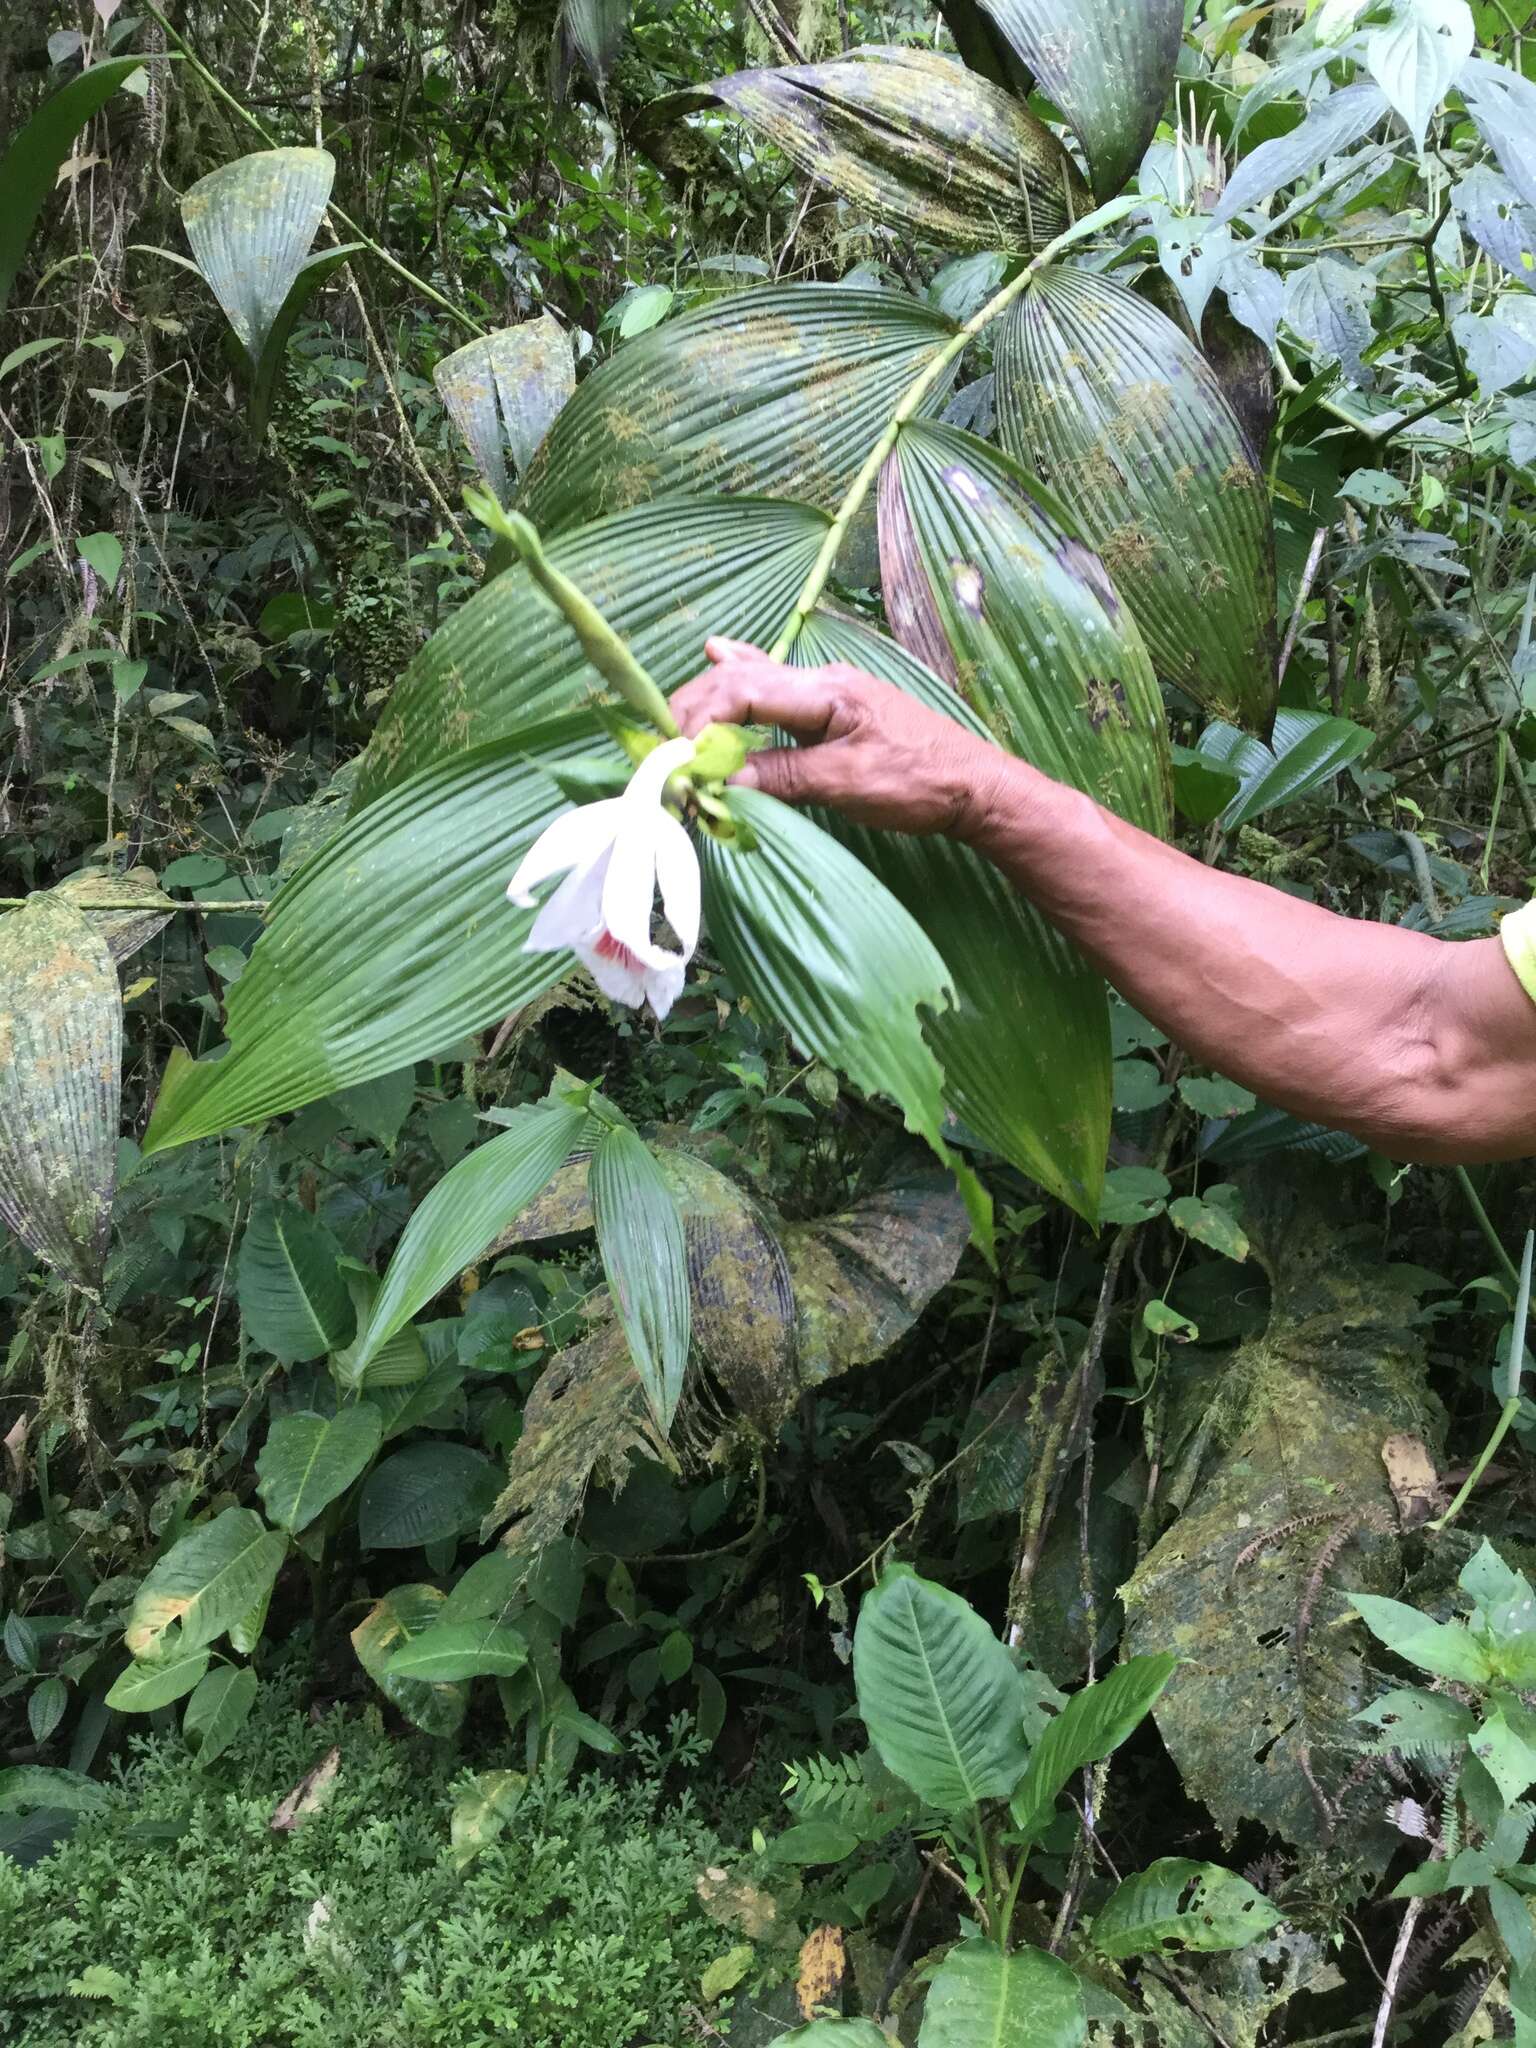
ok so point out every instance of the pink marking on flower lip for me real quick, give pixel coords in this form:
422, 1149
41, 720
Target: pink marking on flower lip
610, 948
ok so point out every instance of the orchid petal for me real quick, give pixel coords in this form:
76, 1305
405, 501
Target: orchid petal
677, 876
573, 916
574, 838
651, 777
621, 980
629, 890
663, 986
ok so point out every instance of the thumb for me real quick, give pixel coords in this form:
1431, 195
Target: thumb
777, 772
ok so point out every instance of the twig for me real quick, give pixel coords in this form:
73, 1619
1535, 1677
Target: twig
1395, 1971
1303, 590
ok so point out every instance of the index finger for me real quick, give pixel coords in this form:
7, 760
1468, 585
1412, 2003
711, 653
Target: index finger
740, 692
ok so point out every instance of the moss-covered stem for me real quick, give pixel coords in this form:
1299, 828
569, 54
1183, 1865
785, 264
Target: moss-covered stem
906, 407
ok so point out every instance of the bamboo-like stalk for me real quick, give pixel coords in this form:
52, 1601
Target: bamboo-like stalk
907, 405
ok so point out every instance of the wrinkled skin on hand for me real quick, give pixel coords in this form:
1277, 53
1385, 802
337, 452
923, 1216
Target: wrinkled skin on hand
863, 747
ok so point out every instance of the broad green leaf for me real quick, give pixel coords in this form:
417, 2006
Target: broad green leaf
218, 1710
1092, 1724
782, 391
47, 1704
208, 1579
391, 944
982, 1998
1021, 618
837, 2034
503, 390
912, 139
466, 1649
1408, 1722
470, 1204
939, 1693
61, 1036
1209, 1223
1503, 104
250, 224
152, 1683
1502, 1596
1175, 1904
309, 277
400, 1362
293, 1300
1505, 1754
104, 553
1107, 64
29, 351
806, 930
1306, 750
1447, 1648
481, 1809
1416, 55
812, 1842
426, 1493
397, 1619
640, 1236
1336, 122
27, 1785
1025, 1047
1502, 225
308, 1460
30, 166
1126, 421
508, 659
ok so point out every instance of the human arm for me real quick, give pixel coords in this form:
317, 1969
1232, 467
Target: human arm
1424, 1049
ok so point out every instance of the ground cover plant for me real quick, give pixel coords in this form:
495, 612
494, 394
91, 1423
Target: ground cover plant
937, 1517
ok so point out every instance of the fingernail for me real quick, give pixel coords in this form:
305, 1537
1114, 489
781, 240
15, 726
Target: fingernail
745, 776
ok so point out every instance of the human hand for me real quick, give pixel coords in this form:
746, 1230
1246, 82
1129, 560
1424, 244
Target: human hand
865, 748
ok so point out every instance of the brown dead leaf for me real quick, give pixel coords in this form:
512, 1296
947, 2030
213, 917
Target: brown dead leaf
15, 1441
1412, 1478
823, 1966
308, 1796
732, 1902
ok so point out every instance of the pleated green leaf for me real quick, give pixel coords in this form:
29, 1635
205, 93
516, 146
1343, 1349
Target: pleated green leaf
806, 930
207, 1580
308, 1460
1108, 65
311, 274
940, 1695
399, 1363
403, 1614
30, 166
1024, 1999
390, 945
916, 140
645, 1256
293, 1300
1307, 749
61, 1040
662, 576
1022, 619
503, 390
595, 31
458, 1650
250, 224
470, 1204
1121, 415
781, 391
427, 1493
1026, 1048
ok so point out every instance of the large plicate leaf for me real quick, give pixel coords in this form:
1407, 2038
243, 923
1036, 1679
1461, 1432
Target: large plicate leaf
426, 1493
663, 576
250, 224
1175, 1904
30, 166
916, 140
782, 391
218, 1710
595, 29
645, 1256
1108, 65
1340, 119
806, 930
1022, 619
502, 391
939, 1694
1125, 419
397, 1619
125, 931
1092, 1724
207, 1580
1025, 1048
307, 1460
388, 946
400, 1362
61, 1037
1308, 748
982, 1998
479, 1197
293, 1300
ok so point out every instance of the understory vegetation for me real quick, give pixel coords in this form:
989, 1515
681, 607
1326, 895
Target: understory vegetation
882, 1502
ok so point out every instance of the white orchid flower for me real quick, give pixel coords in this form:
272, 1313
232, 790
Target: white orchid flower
615, 855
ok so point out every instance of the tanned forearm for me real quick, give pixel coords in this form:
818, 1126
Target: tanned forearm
1424, 1049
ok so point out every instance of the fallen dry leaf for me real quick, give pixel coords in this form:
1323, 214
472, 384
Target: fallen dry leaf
308, 1796
823, 1965
1412, 1478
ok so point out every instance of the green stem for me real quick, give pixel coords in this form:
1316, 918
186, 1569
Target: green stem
358, 233
930, 374
1484, 1224
1512, 1373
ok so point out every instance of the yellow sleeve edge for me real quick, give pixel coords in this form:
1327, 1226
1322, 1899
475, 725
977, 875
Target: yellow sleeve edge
1518, 931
